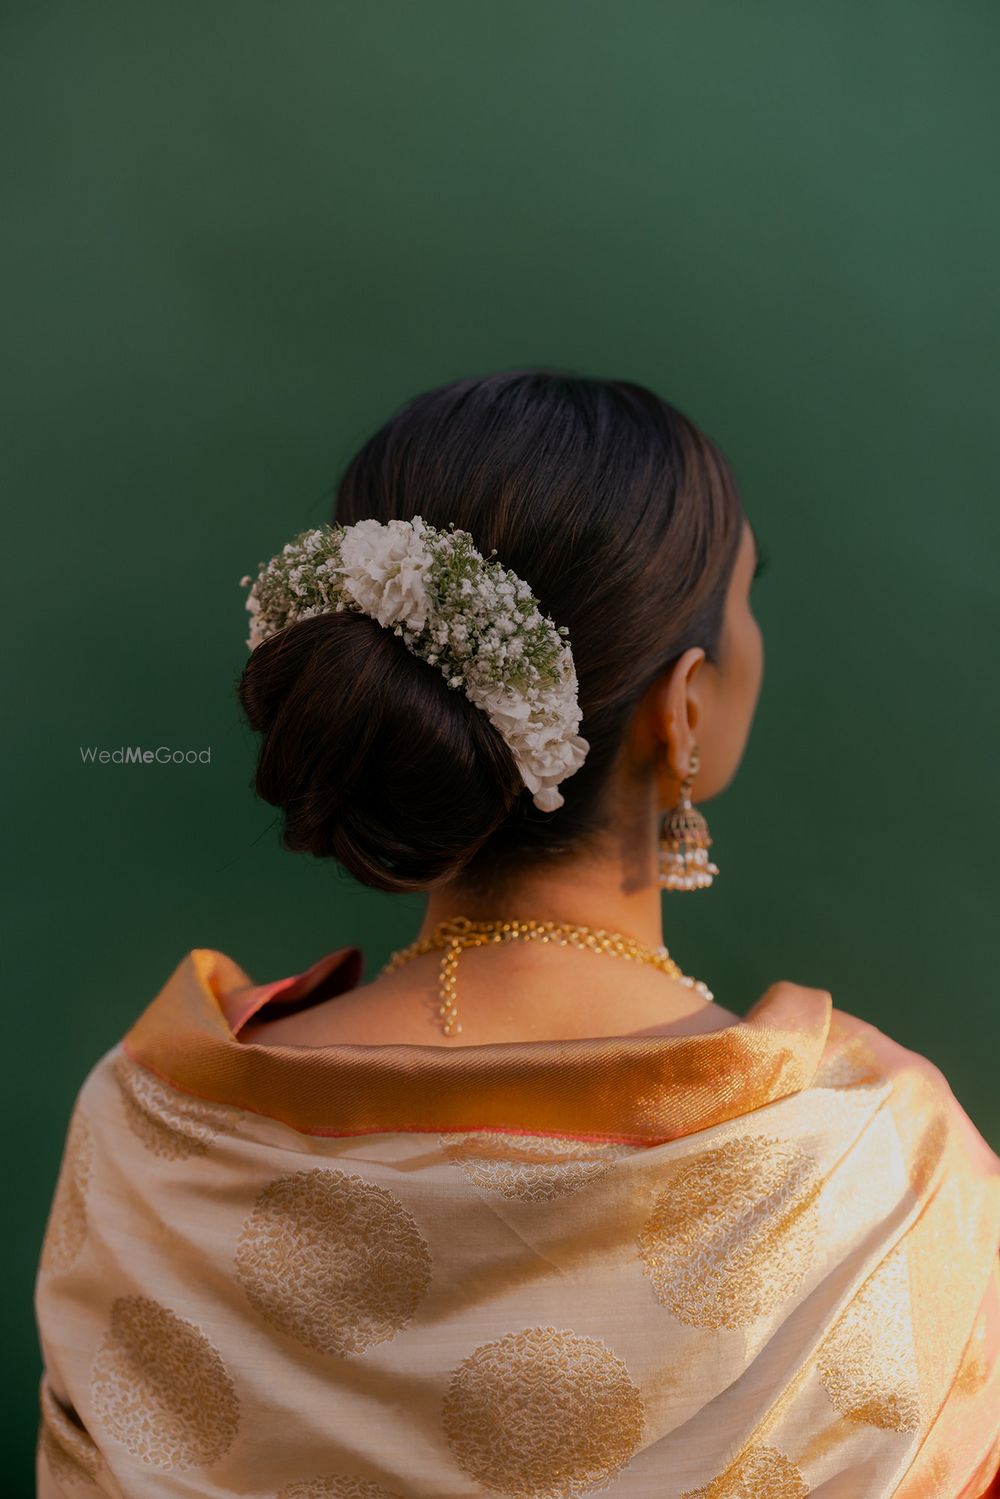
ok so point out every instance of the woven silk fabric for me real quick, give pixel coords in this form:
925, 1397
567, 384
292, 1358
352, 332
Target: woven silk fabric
757, 1263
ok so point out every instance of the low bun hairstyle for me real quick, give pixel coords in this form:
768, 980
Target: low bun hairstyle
625, 521
377, 762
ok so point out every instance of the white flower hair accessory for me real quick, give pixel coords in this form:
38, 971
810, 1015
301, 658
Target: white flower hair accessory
474, 619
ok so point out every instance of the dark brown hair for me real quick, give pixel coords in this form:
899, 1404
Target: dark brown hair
624, 519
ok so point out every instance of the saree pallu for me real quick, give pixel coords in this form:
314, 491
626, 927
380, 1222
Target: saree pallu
757, 1263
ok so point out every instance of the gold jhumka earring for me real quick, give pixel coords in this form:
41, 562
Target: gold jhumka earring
685, 841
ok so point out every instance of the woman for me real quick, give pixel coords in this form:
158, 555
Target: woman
529, 1213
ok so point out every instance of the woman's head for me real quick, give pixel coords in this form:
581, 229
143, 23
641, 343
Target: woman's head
626, 523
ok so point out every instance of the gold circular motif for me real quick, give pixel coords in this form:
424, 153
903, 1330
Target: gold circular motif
763, 1471
531, 1168
731, 1236
70, 1452
167, 1123
332, 1486
867, 1363
67, 1225
334, 1260
543, 1413
161, 1389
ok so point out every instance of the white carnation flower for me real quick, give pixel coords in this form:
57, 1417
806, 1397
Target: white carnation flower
384, 570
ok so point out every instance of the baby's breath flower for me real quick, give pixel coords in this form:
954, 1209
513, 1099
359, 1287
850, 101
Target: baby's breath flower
474, 619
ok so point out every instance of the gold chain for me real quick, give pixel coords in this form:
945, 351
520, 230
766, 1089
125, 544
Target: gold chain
459, 932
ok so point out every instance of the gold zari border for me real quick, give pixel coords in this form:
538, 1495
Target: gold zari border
633, 1089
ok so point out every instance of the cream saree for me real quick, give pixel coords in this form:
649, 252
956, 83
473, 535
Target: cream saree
757, 1263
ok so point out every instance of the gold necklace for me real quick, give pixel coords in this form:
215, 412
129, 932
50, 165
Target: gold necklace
459, 932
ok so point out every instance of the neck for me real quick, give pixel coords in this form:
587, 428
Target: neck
595, 893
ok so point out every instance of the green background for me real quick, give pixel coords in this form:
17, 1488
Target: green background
238, 234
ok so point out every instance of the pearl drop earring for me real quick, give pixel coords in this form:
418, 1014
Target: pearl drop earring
685, 840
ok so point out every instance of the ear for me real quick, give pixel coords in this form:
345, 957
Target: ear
673, 709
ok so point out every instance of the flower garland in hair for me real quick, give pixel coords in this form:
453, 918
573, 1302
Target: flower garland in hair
474, 619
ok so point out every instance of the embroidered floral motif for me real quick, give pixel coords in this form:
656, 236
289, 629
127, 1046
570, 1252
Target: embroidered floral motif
69, 1450
531, 1168
732, 1233
67, 1225
161, 1389
333, 1260
543, 1414
761, 1473
168, 1123
333, 1487
867, 1364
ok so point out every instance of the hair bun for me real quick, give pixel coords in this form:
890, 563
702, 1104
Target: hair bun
373, 759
